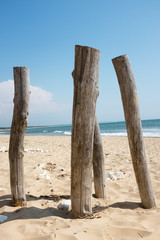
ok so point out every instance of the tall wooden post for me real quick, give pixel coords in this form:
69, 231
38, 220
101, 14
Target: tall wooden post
98, 164
134, 129
19, 123
86, 91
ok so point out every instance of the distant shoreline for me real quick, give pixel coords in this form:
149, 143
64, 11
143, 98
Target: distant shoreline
151, 128
60, 125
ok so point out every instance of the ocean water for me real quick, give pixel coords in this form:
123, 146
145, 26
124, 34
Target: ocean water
151, 128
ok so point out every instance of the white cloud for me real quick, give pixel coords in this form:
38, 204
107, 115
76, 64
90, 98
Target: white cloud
41, 101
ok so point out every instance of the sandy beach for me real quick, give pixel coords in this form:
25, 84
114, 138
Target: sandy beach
120, 216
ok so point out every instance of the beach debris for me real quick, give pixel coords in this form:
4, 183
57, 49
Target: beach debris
33, 150
48, 166
43, 175
39, 150
113, 176
3, 149
2, 189
64, 205
3, 218
62, 175
107, 154
40, 166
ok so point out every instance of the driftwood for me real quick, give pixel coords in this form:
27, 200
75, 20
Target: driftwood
98, 164
134, 129
16, 146
86, 91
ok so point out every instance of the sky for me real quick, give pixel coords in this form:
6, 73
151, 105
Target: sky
42, 35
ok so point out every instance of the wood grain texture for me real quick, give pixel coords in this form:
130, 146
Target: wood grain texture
134, 129
98, 164
16, 145
86, 91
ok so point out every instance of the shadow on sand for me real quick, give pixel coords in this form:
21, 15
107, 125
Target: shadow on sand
37, 213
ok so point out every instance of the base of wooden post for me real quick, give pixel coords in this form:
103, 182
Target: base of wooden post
19, 203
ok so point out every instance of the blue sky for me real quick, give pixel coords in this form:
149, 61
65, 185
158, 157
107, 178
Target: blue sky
42, 35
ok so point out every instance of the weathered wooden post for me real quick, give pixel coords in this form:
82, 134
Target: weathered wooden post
134, 129
98, 164
86, 91
19, 123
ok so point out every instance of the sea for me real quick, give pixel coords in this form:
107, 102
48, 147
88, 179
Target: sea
151, 128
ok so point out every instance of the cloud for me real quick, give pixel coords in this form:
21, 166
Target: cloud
41, 101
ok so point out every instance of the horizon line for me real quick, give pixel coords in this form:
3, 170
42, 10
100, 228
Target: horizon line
70, 124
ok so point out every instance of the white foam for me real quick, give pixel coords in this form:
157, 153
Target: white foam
58, 131
64, 205
151, 134
67, 133
3, 218
114, 134
145, 134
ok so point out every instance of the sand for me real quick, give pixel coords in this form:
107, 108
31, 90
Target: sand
120, 216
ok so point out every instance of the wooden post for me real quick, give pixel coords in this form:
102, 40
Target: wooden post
19, 123
98, 164
86, 91
134, 129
